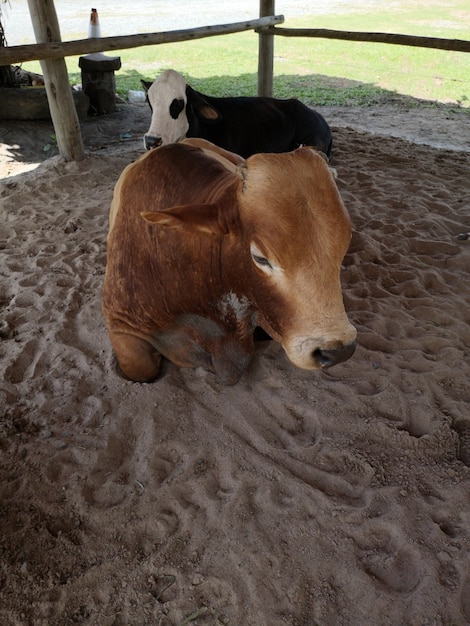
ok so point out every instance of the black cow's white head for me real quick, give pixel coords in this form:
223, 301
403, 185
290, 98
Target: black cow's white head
167, 99
170, 97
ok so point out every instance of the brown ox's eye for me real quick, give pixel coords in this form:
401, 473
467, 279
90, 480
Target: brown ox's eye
261, 260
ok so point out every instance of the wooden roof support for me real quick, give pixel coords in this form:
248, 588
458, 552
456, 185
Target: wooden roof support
59, 93
265, 52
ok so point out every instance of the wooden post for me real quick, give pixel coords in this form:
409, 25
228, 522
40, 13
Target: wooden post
59, 93
265, 53
98, 81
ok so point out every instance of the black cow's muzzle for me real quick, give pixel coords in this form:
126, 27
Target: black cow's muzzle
333, 356
152, 141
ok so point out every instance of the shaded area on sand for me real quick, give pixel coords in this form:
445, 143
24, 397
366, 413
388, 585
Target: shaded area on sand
25, 144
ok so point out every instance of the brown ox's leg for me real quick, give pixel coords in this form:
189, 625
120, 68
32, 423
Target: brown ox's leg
137, 358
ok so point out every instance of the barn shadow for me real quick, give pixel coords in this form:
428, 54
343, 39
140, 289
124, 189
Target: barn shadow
33, 141
312, 89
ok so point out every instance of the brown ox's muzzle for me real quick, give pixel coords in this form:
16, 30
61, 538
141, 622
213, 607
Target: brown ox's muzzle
332, 356
310, 352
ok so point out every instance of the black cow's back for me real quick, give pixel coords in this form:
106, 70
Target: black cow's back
249, 125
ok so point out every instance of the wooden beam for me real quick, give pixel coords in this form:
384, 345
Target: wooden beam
52, 49
59, 93
265, 52
457, 45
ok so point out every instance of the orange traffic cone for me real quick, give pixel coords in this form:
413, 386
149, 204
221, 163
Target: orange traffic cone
94, 29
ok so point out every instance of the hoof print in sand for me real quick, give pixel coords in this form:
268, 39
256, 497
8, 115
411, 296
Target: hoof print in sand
462, 428
385, 556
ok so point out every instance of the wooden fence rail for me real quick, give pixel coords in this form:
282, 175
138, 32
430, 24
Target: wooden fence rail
57, 50
457, 45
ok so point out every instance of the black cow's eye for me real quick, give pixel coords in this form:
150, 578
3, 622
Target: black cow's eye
261, 260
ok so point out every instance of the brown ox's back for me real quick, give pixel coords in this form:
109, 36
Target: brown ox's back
143, 257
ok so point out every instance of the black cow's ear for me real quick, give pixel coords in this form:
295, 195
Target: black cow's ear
146, 84
201, 107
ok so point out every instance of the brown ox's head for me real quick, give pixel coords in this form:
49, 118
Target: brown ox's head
299, 232
294, 233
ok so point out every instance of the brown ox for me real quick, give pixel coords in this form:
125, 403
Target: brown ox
204, 247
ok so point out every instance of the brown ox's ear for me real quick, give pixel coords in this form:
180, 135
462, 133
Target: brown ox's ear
196, 217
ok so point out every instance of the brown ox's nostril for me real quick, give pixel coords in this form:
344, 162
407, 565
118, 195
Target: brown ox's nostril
151, 141
327, 358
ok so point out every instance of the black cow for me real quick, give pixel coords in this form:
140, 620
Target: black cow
242, 125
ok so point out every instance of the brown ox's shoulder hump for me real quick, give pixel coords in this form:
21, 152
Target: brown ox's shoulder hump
229, 159
173, 175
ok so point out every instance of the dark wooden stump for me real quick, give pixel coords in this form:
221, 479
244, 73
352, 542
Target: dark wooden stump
30, 103
98, 82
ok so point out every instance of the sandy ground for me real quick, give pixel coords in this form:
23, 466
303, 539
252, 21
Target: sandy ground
293, 497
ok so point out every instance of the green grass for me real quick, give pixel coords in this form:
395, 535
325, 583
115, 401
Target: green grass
322, 71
